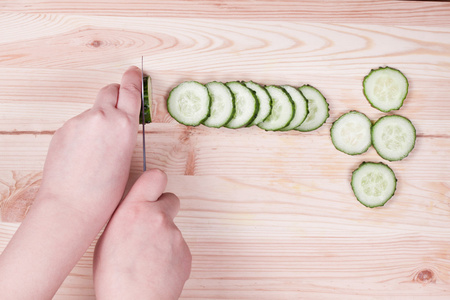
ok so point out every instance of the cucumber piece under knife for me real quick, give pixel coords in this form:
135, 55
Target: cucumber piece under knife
147, 101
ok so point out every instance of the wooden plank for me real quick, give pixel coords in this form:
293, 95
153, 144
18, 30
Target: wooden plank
38, 79
354, 11
256, 245
193, 45
281, 200
48, 101
244, 154
284, 264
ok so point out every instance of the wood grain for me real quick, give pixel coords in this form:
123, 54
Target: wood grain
267, 215
276, 239
334, 58
181, 150
381, 11
187, 44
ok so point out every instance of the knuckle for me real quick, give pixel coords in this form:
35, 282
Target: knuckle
112, 86
132, 89
70, 125
98, 115
172, 195
124, 122
131, 214
175, 201
106, 89
159, 219
157, 176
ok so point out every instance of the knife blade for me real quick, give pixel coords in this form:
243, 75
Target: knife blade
143, 115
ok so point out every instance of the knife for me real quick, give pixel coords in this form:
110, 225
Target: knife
143, 114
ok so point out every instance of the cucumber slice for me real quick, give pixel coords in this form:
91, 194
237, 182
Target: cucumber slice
301, 107
189, 102
222, 105
246, 105
263, 100
147, 84
385, 88
373, 184
317, 109
393, 137
282, 109
350, 133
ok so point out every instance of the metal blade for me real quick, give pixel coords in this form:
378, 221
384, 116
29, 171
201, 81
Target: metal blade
143, 115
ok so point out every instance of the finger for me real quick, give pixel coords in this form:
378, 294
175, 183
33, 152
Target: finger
130, 92
107, 96
148, 187
169, 204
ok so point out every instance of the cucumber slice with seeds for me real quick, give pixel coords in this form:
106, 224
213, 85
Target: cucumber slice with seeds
351, 134
246, 105
222, 105
189, 102
301, 107
265, 103
393, 137
385, 88
282, 109
317, 109
373, 184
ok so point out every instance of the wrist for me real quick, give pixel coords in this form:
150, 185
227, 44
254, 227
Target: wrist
46, 247
47, 202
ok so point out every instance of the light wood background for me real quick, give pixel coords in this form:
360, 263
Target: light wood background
267, 215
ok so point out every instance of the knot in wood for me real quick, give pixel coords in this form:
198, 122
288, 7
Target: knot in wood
95, 43
425, 276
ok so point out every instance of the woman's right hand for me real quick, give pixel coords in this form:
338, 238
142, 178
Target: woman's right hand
142, 253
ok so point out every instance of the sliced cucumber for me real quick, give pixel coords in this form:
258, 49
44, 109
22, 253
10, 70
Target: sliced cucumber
246, 105
317, 109
393, 137
282, 109
350, 133
385, 88
147, 85
222, 105
263, 100
301, 107
188, 103
373, 184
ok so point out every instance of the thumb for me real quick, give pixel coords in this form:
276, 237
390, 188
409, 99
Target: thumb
149, 187
168, 204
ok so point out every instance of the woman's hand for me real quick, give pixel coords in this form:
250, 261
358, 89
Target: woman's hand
89, 158
84, 177
142, 254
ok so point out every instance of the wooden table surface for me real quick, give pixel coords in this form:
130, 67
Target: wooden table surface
267, 215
